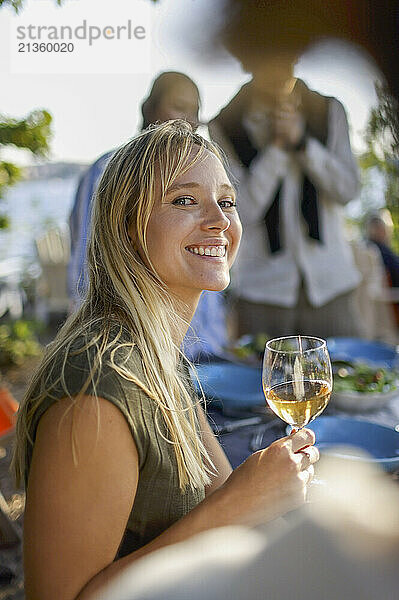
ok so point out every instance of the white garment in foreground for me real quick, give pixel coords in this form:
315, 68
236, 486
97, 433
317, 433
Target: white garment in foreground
240, 564
344, 547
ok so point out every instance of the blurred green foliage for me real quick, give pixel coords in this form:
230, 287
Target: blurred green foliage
32, 133
17, 4
382, 153
18, 342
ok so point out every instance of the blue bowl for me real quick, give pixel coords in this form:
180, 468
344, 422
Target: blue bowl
231, 385
381, 443
356, 349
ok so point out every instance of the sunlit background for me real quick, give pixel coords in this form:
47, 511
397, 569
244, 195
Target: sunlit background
95, 113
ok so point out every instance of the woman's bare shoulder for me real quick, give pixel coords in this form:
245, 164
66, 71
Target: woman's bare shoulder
81, 489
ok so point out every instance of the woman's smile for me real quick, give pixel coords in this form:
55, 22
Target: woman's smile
215, 249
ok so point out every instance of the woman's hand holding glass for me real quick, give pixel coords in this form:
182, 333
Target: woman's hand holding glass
273, 481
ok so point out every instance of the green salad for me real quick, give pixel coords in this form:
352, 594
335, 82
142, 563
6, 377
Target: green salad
363, 378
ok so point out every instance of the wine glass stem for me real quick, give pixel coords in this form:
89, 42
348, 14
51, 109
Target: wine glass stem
296, 428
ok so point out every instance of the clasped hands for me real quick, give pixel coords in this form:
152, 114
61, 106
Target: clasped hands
287, 125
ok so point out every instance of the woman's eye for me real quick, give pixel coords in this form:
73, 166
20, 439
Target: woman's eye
183, 201
227, 203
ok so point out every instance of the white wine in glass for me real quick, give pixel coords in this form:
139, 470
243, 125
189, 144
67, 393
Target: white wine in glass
297, 378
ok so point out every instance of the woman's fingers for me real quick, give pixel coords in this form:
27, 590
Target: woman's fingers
302, 439
305, 452
307, 475
309, 456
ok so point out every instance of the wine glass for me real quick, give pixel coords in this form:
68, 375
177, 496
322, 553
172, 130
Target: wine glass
297, 378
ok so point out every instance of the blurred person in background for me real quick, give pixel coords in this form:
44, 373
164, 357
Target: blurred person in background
376, 315
173, 95
254, 32
379, 231
248, 27
291, 151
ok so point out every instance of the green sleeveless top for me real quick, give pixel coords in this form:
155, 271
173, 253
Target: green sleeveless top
159, 501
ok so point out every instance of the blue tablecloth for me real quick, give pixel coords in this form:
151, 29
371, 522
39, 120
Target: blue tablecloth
237, 444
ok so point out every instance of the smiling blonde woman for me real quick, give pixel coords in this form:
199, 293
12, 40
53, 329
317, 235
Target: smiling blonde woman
113, 446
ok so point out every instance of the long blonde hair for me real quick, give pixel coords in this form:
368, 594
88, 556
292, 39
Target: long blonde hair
125, 290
